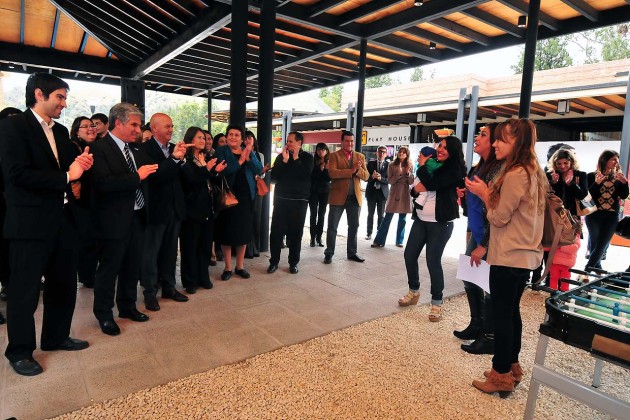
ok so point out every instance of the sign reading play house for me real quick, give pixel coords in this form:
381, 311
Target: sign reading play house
386, 136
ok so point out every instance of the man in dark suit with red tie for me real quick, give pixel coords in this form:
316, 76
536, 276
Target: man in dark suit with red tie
39, 162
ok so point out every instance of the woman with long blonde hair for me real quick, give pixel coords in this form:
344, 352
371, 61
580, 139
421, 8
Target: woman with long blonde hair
515, 203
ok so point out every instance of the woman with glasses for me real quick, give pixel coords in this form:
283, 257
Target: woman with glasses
400, 177
83, 133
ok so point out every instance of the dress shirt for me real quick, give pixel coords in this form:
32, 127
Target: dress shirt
53, 144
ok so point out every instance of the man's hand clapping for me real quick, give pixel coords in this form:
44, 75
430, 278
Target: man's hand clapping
145, 170
81, 163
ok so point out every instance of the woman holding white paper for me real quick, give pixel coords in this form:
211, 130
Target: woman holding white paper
480, 328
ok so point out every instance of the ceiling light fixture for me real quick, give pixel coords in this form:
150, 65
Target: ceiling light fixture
11, 65
418, 3
432, 45
522, 21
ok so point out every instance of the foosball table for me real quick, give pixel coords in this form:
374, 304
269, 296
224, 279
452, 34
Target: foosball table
594, 317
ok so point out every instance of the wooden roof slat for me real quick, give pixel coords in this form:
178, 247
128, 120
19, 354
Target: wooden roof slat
492, 20
610, 102
587, 105
461, 30
522, 7
583, 8
406, 46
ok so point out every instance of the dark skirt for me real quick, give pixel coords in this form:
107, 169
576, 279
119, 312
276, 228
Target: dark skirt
234, 226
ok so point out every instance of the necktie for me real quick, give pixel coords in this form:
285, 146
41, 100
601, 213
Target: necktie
132, 168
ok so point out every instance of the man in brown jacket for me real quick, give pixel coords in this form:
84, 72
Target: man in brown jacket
346, 168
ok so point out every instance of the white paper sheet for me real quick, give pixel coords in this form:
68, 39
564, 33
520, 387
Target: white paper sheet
477, 275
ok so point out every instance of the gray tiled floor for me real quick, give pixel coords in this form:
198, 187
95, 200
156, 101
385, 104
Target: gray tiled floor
235, 320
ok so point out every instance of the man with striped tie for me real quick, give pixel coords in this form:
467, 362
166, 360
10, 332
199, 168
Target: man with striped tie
119, 216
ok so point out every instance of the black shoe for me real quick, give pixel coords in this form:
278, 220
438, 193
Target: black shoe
151, 303
69, 344
242, 273
249, 256
213, 263
2, 319
293, 269
375, 245
174, 295
27, 367
256, 254
469, 333
320, 243
356, 258
109, 327
327, 259
207, 285
134, 315
226, 275
272, 268
312, 243
88, 285
483, 345
368, 236
191, 290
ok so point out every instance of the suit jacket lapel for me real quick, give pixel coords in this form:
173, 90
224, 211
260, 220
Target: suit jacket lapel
39, 136
116, 151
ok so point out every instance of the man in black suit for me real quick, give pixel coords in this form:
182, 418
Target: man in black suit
119, 194
167, 209
377, 189
39, 162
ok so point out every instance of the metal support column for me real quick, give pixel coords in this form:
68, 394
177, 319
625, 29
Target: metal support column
132, 92
624, 147
350, 117
531, 36
265, 103
461, 109
287, 116
360, 96
472, 124
238, 68
210, 111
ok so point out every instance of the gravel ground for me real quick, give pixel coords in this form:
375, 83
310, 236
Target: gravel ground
401, 366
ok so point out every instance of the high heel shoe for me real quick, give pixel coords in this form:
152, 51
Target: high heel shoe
517, 373
409, 299
503, 383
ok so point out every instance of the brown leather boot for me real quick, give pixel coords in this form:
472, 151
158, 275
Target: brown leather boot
503, 383
517, 373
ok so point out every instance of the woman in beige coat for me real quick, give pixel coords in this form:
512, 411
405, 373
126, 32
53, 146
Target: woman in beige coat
400, 176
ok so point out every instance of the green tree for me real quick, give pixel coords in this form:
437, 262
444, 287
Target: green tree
332, 96
615, 43
417, 75
379, 81
186, 115
550, 54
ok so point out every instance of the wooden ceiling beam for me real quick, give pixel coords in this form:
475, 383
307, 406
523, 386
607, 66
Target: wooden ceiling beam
461, 30
588, 105
405, 46
608, 102
323, 6
206, 24
363, 11
495, 22
298, 30
583, 8
416, 15
433, 37
522, 7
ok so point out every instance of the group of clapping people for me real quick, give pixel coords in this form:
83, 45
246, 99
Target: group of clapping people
110, 208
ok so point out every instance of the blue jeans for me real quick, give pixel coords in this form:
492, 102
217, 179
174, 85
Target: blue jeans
506, 286
352, 209
383, 228
601, 227
434, 235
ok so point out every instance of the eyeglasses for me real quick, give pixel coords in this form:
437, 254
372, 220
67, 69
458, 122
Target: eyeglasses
382, 151
88, 126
